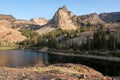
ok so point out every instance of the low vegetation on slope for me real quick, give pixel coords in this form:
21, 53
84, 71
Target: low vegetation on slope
84, 38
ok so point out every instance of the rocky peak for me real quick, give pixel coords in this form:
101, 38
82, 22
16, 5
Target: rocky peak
39, 21
63, 19
64, 8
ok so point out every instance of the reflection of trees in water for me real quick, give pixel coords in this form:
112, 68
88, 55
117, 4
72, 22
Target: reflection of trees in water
38, 58
105, 67
35, 57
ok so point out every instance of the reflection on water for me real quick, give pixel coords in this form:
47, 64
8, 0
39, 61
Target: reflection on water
17, 58
14, 58
108, 68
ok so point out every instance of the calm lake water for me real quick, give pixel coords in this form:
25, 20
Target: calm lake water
18, 58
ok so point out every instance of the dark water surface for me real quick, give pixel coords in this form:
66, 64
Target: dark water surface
18, 58
108, 68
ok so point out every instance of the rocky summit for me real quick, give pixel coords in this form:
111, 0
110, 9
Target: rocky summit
39, 21
63, 19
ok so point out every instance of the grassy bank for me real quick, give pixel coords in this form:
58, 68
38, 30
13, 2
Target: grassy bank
107, 53
8, 48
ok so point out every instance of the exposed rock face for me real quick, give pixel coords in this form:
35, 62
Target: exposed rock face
39, 21
7, 17
113, 17
66, 20
63, 19
92, 19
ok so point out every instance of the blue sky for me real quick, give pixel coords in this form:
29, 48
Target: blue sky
27, 9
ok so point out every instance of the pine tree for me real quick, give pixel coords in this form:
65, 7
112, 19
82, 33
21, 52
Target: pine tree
111, 42
88, 44
103, 41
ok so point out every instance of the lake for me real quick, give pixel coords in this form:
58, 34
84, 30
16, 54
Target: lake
17, 58
21, 58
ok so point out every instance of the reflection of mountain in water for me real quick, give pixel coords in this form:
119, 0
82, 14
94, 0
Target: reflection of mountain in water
14, 58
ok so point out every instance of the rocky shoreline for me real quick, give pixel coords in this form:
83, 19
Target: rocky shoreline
53, 72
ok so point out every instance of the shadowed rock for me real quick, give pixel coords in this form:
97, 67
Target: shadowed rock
113, 17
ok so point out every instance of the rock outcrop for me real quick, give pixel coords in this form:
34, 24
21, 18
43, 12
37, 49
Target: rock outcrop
52, 72
113, 17
91, 19
63, 19
39, 21
66, 20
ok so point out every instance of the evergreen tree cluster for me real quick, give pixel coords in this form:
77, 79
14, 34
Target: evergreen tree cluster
101, 41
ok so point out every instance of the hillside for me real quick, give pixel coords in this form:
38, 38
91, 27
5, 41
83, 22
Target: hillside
10, 35
113, 17
10, 28
7, 17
